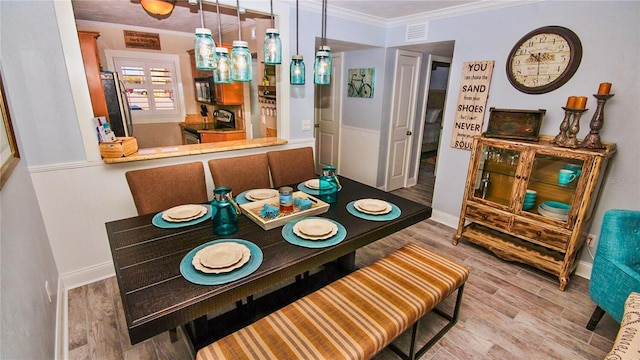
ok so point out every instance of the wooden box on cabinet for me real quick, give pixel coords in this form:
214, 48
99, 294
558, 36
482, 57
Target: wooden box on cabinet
494, 214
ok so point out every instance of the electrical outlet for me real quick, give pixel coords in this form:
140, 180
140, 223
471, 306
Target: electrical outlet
306, 125
48, 290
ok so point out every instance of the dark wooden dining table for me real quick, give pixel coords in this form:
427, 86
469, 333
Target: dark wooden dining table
157, 298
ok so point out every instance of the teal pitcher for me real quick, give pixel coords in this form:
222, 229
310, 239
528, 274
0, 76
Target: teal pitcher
225, 212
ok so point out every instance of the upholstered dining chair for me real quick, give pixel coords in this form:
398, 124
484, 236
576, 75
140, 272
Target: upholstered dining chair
160, 188
616, 266
241, 173
291, 166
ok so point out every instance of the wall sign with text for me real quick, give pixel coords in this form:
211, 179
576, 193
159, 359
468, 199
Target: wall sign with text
141, 40
472, 102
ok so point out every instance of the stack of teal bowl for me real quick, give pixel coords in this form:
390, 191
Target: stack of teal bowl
529, 200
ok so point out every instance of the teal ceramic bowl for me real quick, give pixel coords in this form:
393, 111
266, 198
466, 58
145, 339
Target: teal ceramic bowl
556, 207
526, 206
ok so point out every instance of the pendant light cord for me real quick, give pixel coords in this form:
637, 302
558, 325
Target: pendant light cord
297, 16
201, 16
219, 31
272, 22
238, 13
324, 22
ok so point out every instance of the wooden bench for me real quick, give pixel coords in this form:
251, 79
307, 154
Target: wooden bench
356, 316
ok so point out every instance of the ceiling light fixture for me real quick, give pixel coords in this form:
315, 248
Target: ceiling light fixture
240, 55
296, 70
204, 46
272, 44
158, 7
322, 64
222, 74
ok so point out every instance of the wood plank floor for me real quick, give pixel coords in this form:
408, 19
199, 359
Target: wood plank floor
509, 311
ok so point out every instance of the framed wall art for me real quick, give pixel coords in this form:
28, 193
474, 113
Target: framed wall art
9, 156
361, 83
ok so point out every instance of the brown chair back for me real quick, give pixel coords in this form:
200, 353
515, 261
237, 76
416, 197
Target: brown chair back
290, 167
241, 173
161, 188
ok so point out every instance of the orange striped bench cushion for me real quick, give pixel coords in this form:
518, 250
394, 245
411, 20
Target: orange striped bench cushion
351, 318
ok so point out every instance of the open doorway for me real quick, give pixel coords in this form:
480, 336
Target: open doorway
434, 113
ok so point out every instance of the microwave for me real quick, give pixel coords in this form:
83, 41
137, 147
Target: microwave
205, 89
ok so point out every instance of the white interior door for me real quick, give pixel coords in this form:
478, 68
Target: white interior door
403, 110
327, 124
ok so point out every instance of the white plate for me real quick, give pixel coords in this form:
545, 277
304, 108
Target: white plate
333, 231
220, 255
312, 184
372, 206
245, 255
551, 215
261, 194
184, 213
315, 227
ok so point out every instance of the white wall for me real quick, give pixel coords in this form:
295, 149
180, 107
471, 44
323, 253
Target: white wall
28, 319
610, 35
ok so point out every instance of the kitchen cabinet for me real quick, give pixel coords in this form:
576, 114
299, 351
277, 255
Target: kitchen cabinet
91, 60
225, 94
207, 137
532, 229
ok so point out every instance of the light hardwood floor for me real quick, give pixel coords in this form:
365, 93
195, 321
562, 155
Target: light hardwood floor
508, 311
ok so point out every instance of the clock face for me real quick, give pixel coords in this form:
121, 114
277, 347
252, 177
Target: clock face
544, 60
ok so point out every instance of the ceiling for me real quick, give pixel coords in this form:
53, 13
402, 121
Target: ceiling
185, 17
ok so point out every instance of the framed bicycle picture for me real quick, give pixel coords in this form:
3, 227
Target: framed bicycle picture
8, 149
361, 82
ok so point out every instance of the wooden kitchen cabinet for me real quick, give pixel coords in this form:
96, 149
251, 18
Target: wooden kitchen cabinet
493, 213
225, 94
91, 60
222, 136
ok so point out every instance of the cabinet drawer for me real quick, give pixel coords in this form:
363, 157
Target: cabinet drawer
541, 235
490, 218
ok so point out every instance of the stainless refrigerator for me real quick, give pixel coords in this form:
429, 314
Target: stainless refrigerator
117, 104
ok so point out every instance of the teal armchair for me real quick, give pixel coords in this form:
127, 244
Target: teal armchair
616, 266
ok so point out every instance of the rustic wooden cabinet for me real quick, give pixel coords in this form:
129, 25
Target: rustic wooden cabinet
496, 216
225, 94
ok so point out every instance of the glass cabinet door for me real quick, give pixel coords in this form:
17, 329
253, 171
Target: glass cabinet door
551, 188
496, 174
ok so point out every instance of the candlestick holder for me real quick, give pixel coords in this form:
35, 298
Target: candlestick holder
561, 138
574, 128
592, 140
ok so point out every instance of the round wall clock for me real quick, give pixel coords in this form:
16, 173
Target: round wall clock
544, 59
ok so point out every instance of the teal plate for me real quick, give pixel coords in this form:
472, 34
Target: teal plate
162, 223
315, 192
242, 198
393, 214
197, 277
292, 238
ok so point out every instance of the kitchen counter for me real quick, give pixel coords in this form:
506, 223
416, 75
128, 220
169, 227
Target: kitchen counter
196, 149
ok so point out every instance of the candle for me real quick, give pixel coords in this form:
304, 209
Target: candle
581, 102
604, 88
571, 102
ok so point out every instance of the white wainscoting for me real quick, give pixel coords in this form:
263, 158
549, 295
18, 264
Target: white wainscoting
359, 155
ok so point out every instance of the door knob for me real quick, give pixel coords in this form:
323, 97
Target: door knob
316, 125
409, 132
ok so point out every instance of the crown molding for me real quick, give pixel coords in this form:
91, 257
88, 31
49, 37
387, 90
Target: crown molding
458, 10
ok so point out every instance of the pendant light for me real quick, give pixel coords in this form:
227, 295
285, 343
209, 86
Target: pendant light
158, 7
204, 46
272, 44
240, 55
322, 63
222, 74
296, 70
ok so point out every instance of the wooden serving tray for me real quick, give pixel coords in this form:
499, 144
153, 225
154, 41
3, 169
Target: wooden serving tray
253, 209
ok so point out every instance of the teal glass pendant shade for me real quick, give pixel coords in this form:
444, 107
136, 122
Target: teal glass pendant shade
272, 47
204, 50
297, 71
322, 69
241, 62
222, 74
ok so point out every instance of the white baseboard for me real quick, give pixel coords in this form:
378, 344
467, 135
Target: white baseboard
62, 332
87, 275
583, 270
